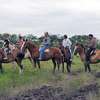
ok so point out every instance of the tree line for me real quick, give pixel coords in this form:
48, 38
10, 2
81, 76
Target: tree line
55, 39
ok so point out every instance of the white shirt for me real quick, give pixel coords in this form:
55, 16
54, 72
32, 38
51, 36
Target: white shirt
67, 43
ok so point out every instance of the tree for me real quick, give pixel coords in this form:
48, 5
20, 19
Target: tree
79, 38
13, 38
32, 38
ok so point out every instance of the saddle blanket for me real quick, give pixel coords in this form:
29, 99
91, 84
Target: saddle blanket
47, 50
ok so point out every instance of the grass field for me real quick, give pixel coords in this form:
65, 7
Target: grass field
11, 82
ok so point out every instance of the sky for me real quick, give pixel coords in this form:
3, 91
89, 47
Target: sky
70, 17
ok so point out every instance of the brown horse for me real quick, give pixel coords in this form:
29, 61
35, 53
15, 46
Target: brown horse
51, 53
14, 56
79, 48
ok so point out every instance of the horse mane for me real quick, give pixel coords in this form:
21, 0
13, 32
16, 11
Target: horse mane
31, 43
81, 45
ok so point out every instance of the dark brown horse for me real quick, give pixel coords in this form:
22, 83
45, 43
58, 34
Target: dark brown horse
27, 53
79, 48
67, 57
51, 53
14, 56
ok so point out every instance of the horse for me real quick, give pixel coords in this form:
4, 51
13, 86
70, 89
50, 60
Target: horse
52, 53
27, 53
95, 58
67, 57
14, 56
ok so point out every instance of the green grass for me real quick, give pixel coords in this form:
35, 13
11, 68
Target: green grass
11, 82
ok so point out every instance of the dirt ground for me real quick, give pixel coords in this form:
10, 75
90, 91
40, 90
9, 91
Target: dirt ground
57, 93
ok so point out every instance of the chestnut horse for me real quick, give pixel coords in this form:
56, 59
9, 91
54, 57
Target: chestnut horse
14, 56
52, 53
79, 48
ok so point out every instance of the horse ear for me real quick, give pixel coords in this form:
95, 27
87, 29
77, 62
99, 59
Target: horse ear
26, 40
82, 46
77, 44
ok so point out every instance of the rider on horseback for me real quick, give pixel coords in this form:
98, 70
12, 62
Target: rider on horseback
91, 47
45, 44
20, 42
66, 43
7, 49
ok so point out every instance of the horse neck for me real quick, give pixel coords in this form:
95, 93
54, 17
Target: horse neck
33, 49
82, 55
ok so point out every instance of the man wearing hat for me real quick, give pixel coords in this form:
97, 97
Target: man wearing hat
92, 43
66, 43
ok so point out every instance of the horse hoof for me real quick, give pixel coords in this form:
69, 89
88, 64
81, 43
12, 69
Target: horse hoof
53, 72
2, 72
21, 72
62, 71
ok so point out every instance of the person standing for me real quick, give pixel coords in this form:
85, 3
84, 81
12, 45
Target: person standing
6, 47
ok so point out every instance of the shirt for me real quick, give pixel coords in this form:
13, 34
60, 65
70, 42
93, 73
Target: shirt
66, 43
92, 43
20, 43
46, 41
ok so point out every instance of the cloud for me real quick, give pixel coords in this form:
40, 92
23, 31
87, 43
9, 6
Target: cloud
55, 16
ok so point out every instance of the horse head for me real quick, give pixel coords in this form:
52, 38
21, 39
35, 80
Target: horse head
24, 46
79, 48
28, 44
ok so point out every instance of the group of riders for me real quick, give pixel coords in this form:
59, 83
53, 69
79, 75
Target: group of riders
46, 44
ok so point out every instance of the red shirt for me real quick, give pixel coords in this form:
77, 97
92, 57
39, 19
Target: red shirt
19, 43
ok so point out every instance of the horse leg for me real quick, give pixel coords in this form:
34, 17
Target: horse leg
68, 69
20, 65
69, 64
14, 65
58, 65
62, 65
85, 68
34, 60
54, 63
88, 66
1, 69
31, 60
85, 65
38, 62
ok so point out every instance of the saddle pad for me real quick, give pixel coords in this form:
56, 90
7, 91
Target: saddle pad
93, 53
47, 50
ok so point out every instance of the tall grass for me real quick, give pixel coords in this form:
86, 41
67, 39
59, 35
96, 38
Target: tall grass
11, 82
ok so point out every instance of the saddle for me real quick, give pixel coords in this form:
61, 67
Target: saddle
47, 54
47, 50
93, 53
8, 52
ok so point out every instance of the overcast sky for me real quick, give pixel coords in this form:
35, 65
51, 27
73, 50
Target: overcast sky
54, 16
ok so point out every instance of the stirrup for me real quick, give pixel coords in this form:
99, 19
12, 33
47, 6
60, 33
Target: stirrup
40, 58
5, 58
